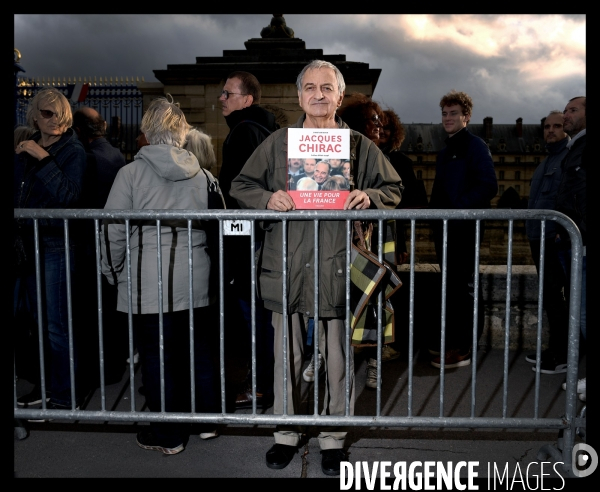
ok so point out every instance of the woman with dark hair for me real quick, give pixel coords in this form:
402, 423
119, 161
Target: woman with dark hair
364, 115
390, 139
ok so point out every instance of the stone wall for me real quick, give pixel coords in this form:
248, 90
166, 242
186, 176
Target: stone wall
523, 316
494, 248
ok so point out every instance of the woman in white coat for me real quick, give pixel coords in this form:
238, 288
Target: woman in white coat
163, 175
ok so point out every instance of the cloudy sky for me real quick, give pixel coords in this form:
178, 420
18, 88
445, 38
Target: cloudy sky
512, 65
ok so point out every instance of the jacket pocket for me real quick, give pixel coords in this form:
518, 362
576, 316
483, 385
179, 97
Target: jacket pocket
338, 281
271, 275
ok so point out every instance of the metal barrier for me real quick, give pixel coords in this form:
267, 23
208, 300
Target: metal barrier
569, 425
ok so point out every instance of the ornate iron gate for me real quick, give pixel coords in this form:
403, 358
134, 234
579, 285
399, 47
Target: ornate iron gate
118, 101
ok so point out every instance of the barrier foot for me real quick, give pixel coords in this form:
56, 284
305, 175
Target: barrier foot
21, 431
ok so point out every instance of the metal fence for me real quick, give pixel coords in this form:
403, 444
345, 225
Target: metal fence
569, 424
119, 102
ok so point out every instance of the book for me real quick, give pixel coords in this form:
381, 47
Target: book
319, 174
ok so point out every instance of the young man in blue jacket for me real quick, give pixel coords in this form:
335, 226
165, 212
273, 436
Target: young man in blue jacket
464, 179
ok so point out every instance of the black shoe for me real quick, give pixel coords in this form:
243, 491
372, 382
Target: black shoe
146, 440
280, 455
551, 366
549, 362
244, 400
331, 461
34, 397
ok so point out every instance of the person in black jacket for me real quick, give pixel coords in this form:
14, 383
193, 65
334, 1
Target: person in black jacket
572, 200
391, 137
104, 162
542, 195
49, 171
464, 179
249, 125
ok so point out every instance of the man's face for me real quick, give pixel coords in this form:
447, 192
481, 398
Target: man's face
309, 166
574, 117
553, 128
321, 173
236, 99
453, 119
294, 165
320, 96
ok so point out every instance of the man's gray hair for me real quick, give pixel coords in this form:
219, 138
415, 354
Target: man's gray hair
322, 64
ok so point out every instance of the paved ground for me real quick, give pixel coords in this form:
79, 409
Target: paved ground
88, 449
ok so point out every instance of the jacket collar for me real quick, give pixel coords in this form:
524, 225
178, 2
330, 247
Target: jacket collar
459, 137
66, 137
576, 137
557, 147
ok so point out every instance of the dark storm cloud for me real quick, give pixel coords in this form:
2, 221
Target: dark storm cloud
416, 70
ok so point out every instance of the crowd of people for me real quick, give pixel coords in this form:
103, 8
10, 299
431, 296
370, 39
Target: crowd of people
63, 160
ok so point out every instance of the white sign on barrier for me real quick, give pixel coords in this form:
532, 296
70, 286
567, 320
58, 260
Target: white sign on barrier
236, 227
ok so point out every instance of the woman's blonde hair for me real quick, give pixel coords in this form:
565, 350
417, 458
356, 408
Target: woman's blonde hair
200, 144
59, 104
165, 123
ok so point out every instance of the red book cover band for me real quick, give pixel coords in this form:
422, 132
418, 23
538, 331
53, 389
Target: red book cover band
319, 174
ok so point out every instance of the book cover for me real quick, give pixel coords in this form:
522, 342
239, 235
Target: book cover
319, 175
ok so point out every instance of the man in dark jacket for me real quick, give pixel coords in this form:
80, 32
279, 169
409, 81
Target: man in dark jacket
91, 130
104, 162
262, 185
544, 186
249, 125
464, 179
571, 199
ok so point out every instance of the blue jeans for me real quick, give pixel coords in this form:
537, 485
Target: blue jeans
176, 340
54, 313
309, 332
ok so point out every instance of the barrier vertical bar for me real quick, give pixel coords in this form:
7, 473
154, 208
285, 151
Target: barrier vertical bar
100, 313
507, 319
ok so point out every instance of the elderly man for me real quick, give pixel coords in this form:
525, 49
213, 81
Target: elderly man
261, 185
322, 171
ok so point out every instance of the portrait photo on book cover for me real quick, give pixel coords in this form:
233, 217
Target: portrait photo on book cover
319, 174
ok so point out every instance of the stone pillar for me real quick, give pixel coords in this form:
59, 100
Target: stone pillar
276, 59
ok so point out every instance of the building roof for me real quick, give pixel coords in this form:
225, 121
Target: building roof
505, 138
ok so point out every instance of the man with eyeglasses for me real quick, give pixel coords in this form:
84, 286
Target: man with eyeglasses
249, 124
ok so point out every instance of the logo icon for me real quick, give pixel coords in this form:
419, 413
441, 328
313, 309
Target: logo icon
585, 460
